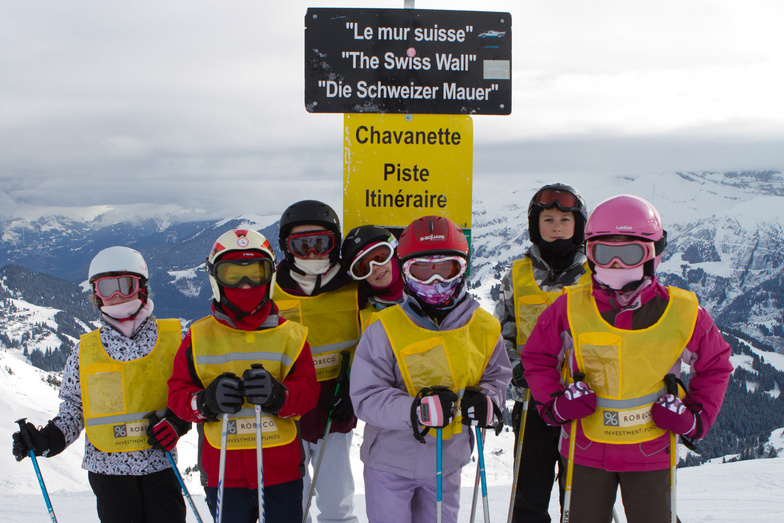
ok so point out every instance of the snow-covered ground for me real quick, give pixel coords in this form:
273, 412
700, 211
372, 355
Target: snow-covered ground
716, 492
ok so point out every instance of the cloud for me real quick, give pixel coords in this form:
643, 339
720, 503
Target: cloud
200, 104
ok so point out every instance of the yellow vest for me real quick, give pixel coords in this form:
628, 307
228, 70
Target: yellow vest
626, 368
454, 358
117, 395
530, 301
367, 316
332, 319
218, 348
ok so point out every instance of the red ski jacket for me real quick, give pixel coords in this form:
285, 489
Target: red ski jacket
281, 464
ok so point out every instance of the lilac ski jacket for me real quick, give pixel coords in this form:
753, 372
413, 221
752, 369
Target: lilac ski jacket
380, 399
706, 352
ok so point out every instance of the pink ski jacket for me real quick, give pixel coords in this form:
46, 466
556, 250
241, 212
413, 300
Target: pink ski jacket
551, 343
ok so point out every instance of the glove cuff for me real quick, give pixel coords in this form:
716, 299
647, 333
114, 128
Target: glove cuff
277, 400
202, 407
56, 439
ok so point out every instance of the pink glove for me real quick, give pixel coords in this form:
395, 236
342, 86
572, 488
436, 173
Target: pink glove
576, 402
669, 413
436, 410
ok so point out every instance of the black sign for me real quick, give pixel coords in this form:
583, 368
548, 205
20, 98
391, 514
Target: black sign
408, 61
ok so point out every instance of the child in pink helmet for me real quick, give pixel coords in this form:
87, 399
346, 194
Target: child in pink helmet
601, 354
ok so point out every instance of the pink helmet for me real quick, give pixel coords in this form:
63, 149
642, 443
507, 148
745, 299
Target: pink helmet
629, 216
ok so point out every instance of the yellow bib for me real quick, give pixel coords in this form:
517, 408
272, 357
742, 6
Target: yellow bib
218, 348
626, 368
454, 358
332, 319
116, 395
530, 301
367, 316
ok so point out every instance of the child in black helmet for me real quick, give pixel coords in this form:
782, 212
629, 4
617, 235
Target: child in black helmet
368, 255
312, 289
556, 221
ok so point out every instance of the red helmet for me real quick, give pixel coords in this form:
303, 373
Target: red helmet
429, 236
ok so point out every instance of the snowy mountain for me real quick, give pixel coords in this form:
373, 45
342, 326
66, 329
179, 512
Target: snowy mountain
725, 243
712, 493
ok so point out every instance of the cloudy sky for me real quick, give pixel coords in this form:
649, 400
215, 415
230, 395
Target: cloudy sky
199, 104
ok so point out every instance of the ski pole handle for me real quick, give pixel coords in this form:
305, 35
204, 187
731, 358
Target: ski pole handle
579, 376
345, 361
672, 385
22, 422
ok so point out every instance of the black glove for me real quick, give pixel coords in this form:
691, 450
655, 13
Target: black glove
163, 434
47, 442
338, 404
224, 394
476, 409
262, 389
518, 379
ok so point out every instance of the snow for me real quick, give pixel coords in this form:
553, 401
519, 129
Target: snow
715, 492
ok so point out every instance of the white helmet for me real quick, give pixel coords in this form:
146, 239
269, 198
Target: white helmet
239, 240
118, 260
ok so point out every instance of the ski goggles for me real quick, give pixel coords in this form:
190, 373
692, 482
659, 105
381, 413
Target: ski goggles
435, 268
319, 242
564, 200
233, 273
362, 266
125, 285
628, 254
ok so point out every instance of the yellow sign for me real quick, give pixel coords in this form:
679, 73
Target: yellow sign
397, 168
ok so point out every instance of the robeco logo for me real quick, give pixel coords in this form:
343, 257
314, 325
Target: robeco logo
432, 237
624, 227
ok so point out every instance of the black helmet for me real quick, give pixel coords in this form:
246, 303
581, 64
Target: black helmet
564, 198
309, 212
360, 237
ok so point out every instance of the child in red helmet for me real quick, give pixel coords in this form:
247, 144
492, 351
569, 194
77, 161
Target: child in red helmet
599, 357
437, 361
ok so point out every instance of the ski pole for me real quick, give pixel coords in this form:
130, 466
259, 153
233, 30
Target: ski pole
473, 497
518, 453
477, 478
480, 436
259, 454
345, 369
260, 463
672, 388
29, 444
222, 466
578, 376
439, 487
184, 488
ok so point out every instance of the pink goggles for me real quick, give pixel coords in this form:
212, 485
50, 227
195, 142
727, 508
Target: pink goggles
627, 254
108, 287
430, 269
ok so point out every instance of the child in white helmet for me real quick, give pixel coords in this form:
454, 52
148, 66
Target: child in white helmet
114, 386
244, 355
